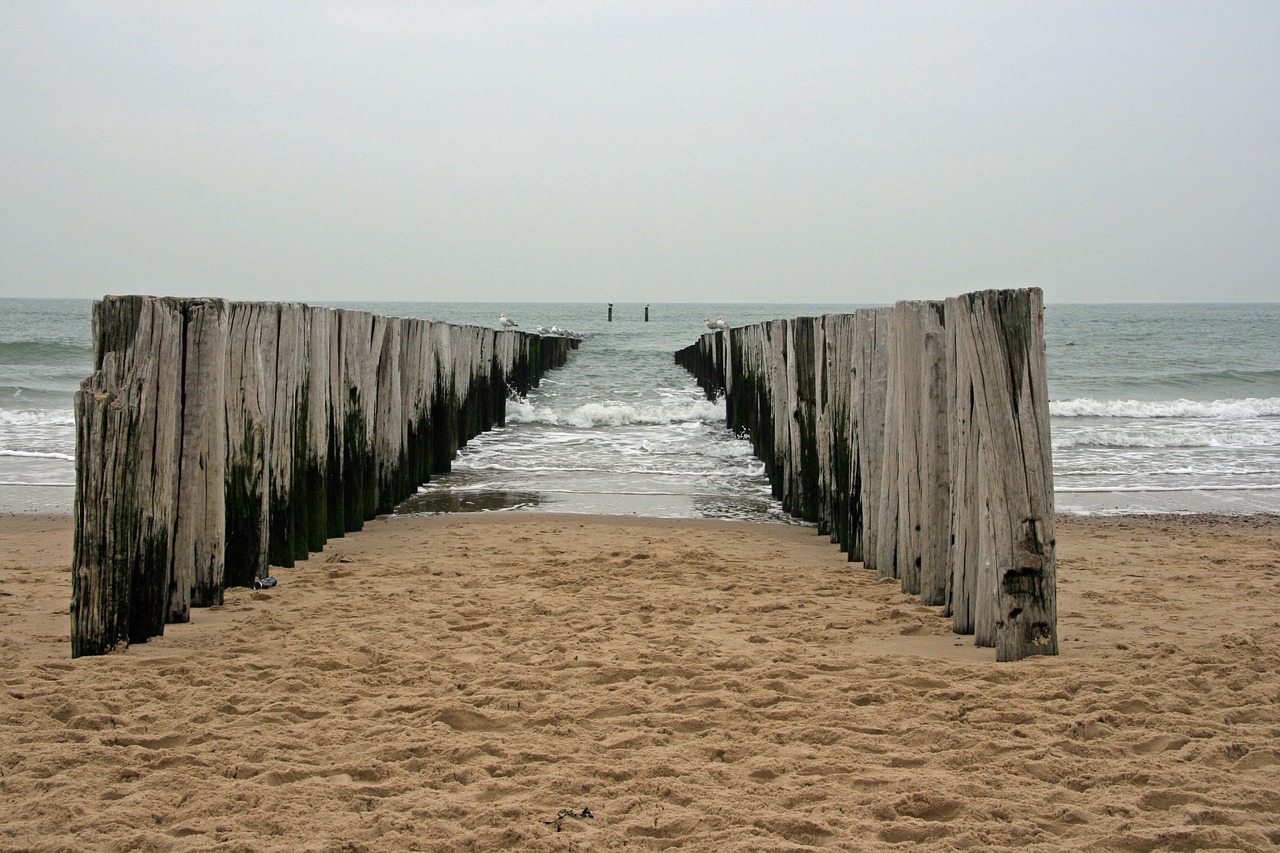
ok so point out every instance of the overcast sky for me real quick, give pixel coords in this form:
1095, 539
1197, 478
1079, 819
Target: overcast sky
841, 152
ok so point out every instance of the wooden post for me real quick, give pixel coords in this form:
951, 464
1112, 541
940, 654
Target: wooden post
314, 477
962, 558
250, 402
872, 334
356, 408
288, 436
199, 549
920, 433
418, 375
1006, 334
129, 426
389, 425
836, 428
802, 385
886, 554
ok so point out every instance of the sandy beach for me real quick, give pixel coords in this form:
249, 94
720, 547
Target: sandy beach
559, 682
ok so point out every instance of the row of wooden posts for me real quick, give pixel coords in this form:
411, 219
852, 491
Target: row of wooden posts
217, 438
917, 436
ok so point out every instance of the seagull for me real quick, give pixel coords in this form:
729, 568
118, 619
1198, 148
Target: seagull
507, 322
542, 330
711, 324
720, 324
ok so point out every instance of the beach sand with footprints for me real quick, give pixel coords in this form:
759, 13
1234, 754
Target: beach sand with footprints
558, 682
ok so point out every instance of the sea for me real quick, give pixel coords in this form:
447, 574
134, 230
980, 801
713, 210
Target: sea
1154, 409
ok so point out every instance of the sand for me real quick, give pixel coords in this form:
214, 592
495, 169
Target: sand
476, 682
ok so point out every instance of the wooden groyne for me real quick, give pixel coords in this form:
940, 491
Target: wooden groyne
917, 437
216, 438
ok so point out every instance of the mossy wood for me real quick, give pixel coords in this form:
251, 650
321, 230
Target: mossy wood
215, 439
917, 437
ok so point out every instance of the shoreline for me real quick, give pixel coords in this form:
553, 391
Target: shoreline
1059, 517
452, 682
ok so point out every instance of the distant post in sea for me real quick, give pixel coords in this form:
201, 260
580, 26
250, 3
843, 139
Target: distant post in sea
646, 313
610, 312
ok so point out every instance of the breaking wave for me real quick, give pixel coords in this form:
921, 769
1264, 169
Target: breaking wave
1085, 407
29, 418
591, 415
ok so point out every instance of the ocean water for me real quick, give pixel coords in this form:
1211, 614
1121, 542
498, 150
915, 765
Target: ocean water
1155, 408
1165, 408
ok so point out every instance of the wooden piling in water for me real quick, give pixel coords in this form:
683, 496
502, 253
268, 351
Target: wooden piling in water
215, 439
917, 437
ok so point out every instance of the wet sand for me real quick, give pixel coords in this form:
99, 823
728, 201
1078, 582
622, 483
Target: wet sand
476, 682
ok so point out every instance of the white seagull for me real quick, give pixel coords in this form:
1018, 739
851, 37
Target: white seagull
711, 324
507, 322
720, 324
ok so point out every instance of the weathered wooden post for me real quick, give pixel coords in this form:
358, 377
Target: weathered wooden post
778, 408
250, 403
288, 437
834, 381
935, 473
962, 557
874, 329
389, 423
315, 479
199, 547
918, 369
106, 523
418, 377
129, 426
885, 557
356, 407
1004, 341
802, 405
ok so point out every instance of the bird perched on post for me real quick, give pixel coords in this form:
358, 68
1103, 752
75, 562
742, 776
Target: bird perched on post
507, 323
719, 324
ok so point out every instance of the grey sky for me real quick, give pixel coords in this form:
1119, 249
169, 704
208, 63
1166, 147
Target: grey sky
855, 152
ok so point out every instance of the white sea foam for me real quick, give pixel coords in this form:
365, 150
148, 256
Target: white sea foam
1143, 464
1084, 407
1237, 487
37, 418
591, 415
1166, 438
27, 454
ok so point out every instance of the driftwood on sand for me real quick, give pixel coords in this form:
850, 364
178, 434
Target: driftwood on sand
916, 436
